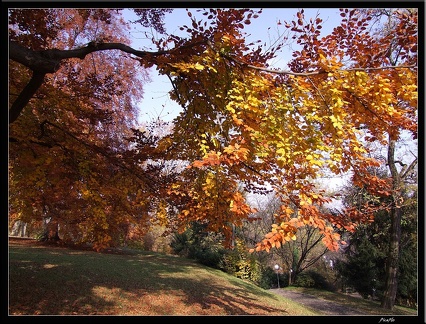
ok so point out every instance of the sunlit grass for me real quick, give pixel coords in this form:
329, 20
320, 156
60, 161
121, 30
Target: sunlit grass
59, 281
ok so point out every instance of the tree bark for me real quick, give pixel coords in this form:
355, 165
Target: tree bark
51, 231
391, 284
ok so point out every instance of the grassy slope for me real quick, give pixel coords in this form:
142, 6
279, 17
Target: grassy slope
59, 281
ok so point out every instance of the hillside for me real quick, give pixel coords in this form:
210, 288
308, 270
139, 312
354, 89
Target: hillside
60, 281
52, 280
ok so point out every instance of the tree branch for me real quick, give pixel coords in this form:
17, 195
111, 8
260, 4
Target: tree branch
49, 61
26, 94
321, 71
409, 169
230, 58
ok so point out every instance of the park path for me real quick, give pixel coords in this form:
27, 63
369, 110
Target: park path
323, 306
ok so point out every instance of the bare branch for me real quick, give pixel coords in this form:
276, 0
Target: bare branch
318, 72
409, 169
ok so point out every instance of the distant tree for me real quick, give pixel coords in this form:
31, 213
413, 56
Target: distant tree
367, 252
294, 257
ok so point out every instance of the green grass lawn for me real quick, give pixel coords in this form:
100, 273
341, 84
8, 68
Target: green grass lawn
58, 281
49, 280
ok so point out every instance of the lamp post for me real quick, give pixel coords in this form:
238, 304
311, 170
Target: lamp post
277, 267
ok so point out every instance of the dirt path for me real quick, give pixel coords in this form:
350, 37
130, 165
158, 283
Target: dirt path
323, 306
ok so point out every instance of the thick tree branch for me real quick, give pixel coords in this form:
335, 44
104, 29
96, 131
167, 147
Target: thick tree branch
49, 61
35, 60
26, 94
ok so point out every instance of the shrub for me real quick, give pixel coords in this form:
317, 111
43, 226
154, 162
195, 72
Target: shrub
304, 280
209, 257
312, 279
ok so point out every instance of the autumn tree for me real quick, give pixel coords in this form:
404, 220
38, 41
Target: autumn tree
245, 126
397, 51
325, 104
68, 157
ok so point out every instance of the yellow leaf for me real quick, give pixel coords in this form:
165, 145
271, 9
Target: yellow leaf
281, 151
199, 67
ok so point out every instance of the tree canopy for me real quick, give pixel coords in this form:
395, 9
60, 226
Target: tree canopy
79, 162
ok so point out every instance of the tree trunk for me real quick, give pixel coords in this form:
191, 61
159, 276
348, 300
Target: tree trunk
51, 231
391, 284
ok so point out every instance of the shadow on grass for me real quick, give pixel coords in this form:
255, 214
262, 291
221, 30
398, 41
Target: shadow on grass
56, 281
